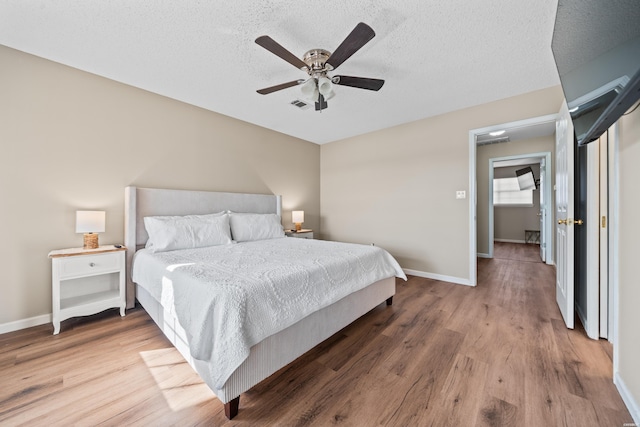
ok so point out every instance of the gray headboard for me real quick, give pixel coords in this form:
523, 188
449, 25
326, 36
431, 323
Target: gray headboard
141, 202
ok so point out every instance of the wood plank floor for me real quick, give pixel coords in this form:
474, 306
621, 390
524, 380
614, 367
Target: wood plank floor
442, 355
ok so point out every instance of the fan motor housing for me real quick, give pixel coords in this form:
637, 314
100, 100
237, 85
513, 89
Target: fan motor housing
316, 59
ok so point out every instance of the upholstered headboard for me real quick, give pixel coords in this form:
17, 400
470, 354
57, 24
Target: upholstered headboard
141, 202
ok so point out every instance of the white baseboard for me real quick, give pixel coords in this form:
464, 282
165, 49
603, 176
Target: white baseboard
479, 255
508, 241
46, 318
440, 277
24, 323
627, 398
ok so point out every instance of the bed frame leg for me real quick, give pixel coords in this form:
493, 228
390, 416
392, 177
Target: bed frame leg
389, 300
231, 408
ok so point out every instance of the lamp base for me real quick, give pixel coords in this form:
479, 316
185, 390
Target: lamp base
90, 241
298, 226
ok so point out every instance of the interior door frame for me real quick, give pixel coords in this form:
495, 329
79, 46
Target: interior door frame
546, 155
614, 236
473, 184
603, 228
587, 270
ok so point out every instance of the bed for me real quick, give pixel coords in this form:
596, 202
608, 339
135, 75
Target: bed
173, 287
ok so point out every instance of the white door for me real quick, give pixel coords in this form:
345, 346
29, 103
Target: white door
543, 213
564, 215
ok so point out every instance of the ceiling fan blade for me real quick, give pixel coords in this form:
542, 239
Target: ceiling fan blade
360, 36
321, 104
359, 82
281, 86
272, 46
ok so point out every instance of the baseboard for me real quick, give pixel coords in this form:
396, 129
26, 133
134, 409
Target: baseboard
508, 241
479, 255
25, 323
46, 318
627, 398
456, 280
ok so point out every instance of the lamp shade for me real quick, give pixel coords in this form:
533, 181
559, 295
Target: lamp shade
297, 217
310, 89
325, 87
90, 221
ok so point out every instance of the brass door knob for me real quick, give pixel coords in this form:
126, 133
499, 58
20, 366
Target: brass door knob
562, 221
578, 222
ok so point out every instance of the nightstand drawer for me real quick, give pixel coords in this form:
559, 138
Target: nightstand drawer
89, 264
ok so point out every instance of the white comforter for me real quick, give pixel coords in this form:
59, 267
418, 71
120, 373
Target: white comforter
228, 298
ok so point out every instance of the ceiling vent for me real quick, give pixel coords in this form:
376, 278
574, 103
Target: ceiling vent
494, 141
300, 104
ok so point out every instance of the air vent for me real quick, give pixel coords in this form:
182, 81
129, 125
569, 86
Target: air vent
494, 141
300, 104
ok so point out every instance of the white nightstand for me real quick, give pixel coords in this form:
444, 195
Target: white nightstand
86, 281
303, 234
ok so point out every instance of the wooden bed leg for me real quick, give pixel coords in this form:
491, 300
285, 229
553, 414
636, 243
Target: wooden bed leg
231, 408
389, 300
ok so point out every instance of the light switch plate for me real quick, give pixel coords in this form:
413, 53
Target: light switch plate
461, 194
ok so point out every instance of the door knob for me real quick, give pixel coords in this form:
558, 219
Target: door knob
578, 222
562, 221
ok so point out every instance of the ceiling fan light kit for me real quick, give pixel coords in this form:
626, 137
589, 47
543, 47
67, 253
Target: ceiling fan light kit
317, 63
310, 89
325, 87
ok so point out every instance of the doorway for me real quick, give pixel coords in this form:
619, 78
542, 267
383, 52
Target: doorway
521, 128
538, 228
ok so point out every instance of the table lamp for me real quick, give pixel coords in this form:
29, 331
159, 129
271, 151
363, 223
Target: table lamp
89, 223
297, 217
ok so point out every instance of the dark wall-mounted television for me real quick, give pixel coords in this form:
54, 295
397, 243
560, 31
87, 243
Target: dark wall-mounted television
596, 46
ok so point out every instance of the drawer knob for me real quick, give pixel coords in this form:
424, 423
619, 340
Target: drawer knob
92, 264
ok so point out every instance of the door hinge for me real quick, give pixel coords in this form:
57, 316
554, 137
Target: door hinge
604, 221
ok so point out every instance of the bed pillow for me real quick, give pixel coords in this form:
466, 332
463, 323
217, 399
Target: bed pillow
168, 233
247, 227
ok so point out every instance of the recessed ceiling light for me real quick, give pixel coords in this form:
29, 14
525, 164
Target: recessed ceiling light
497, 133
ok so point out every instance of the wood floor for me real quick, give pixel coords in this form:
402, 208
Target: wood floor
442, 355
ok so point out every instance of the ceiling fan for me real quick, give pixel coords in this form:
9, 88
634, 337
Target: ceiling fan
318, 63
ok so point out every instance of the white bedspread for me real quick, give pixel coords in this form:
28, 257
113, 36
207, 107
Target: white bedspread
230, 297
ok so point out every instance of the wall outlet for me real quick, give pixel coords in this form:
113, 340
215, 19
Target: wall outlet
461, 194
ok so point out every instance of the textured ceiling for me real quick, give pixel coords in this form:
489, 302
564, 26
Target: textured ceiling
436, 56
591, 34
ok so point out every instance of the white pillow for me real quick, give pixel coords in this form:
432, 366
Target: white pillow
247, 227
168, 233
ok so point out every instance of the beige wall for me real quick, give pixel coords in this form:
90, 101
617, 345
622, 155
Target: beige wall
396, 187
72, 140
629, 234
486, 152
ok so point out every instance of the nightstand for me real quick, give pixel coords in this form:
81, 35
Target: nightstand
86, 281
303, 234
